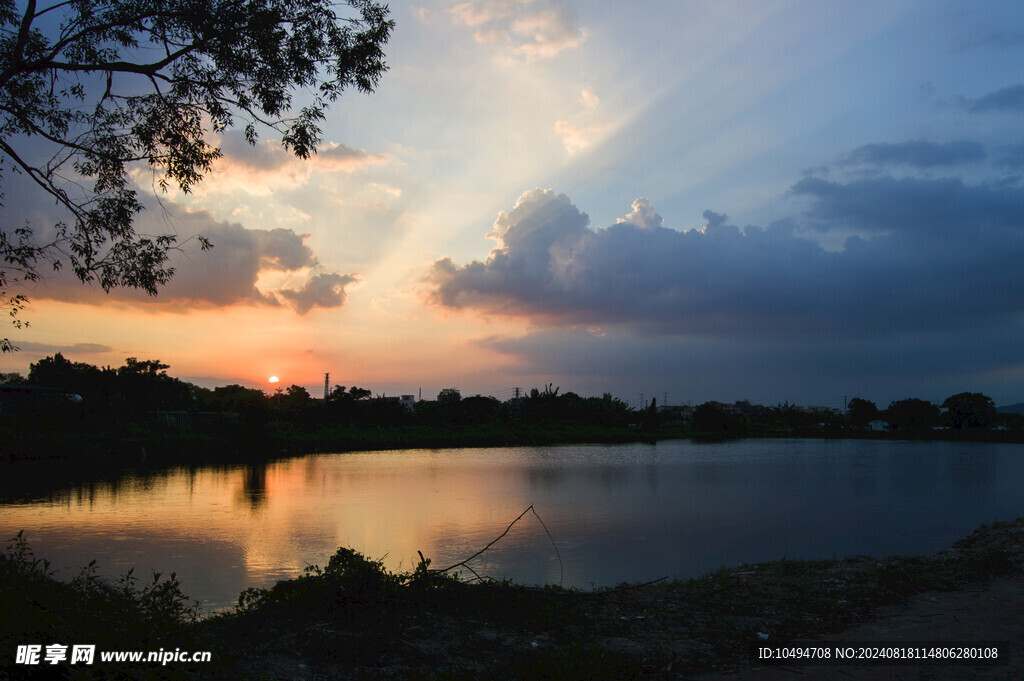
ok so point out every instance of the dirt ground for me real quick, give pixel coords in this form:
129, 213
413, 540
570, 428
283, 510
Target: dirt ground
984, 613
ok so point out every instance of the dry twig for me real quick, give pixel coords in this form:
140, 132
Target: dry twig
464, 563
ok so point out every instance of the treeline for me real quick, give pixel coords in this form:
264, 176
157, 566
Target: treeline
66, 409
963, 415
142, 389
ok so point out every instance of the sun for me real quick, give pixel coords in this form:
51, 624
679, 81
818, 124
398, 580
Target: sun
273, 379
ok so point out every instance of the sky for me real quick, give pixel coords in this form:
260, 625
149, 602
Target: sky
773, 201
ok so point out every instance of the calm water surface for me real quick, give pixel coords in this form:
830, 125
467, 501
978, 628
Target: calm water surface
617, 513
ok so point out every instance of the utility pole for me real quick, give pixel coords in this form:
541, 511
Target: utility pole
327, 385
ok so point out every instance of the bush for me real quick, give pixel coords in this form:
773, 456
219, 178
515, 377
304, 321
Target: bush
41, 610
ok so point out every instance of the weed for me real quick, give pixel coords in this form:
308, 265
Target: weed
990, 562
899, 580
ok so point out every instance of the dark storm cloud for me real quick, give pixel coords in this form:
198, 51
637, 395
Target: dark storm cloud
768, 370
919, 154
935, 255
886, 204
1006, 99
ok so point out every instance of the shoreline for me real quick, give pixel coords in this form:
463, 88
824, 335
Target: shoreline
168, 445
354, 620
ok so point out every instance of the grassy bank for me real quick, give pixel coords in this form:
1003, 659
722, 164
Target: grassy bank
245, 442
352, 619
112, 448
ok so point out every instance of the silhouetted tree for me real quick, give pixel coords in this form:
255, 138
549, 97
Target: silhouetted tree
479, 409
609, 411
860, 412
295, 402
59, 372
787, 417
970, 410
298, 394
912, 414
449, 396
344, 405
91, 90
143, 385
711, 417
382, 412
359, 393
236, 399
545, 406
340, 394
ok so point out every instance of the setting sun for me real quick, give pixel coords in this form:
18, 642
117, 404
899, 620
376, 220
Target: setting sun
273, 379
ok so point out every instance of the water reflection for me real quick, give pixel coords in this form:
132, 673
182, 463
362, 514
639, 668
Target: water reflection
628, 512
254, 485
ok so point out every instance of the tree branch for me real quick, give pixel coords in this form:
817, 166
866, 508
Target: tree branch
26, 25
33, 172
464, 563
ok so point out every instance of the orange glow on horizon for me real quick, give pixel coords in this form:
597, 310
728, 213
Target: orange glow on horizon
248, 345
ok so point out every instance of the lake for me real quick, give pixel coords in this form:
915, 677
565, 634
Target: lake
617, 513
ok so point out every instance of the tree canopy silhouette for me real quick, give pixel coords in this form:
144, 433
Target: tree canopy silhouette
970, 410
91, 89
861, 412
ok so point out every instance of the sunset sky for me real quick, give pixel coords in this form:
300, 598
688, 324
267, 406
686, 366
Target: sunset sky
772, 200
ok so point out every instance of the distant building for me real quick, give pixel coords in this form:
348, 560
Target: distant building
15, 398
682, 412
408, 401
879, 425
822, 410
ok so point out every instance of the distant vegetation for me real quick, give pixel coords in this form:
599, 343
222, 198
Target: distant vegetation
74, 410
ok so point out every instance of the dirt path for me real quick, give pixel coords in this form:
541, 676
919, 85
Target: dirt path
985, 612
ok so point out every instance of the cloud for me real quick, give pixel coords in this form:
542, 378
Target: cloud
576, 137
945, 206
321, 290
532, 29
267, 167
1009, 99
512, 280
762, 369
937, 254
643, 216
1010, 156
581, 129
919, 154
998, 38
226, 275
76, 349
